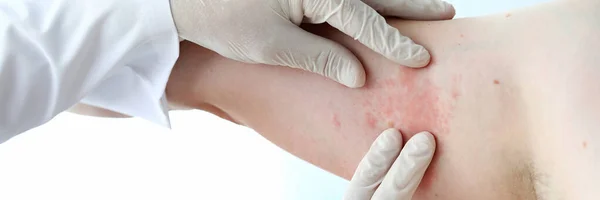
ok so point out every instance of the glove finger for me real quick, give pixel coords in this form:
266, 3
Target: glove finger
374, 165
360, 21
301, 49
406, 173
414, 9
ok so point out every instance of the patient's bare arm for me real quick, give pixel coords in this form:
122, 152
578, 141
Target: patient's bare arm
327, 126
505, 110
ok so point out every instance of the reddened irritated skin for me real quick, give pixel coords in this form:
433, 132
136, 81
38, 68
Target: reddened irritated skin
411, 98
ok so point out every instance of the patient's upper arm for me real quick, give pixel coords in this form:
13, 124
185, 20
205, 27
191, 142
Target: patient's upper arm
332, 126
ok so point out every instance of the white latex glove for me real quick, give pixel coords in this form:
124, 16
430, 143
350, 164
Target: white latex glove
266, 31
383, 175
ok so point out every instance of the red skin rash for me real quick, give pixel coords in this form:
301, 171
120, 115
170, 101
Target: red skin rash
336, 122
409, 102
371, 121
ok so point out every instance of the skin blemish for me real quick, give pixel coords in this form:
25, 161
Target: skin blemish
390, 124
496, 82
336, 122
455, 93
462, 36
507, 15
584, 144
371, 121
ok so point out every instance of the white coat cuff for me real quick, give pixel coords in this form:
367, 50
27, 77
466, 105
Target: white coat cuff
138, 89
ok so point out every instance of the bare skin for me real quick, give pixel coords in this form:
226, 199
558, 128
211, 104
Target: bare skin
513, 100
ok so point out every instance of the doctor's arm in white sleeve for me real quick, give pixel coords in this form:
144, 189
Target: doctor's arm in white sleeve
54, 52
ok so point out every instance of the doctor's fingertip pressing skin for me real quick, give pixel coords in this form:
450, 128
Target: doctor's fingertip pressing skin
424, 142
417, 56
353, 76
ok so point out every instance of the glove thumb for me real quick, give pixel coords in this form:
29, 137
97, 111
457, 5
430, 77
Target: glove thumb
301, 49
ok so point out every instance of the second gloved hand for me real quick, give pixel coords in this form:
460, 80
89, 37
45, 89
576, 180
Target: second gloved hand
389, 171
266, 31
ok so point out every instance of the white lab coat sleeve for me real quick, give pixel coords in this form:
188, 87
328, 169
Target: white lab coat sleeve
54, 52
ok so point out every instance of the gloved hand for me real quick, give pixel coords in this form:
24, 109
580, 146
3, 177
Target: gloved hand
383, 175
266, 31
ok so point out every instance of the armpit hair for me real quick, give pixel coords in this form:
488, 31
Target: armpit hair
531, 183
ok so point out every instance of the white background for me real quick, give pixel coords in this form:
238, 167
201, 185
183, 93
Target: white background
203, 157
